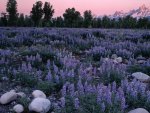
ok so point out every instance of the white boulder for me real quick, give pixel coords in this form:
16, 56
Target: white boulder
138, 110
119, 59
18, 108
140, 76
8, 97
40, 105
38, 93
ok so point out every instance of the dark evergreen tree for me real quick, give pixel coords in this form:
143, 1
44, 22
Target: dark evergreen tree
12, 12
48, 13
106, 22
21, 20
87, 18
94, 23
4, 21
143, 23
59, 22
99, 22
28, 22
37, 13
72, 17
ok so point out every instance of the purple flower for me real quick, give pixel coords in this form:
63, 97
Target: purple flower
108, 97
63, 91
76, 103
56, 78
117, 98
38, 58
29, 67
148, 96
99, 96
123, 104
71, 90
80, 87
48, 64
62, 74
103, 107
55, 68
63, 102
114, 86
49, 76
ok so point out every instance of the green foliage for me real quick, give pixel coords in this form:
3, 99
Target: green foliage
49, 87
139, 68
138, 102
88, 104
3, 19
21, 20
11, 34
146, 37
37, 13
26, 80
106, 22
71, 17
25, 102
87, 18
112, 76
12, 12
99, 34
48, 12
143, 50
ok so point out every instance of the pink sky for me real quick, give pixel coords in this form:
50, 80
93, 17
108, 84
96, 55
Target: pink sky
98, 7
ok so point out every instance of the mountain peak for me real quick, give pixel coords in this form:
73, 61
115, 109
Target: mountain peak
143, 7
141, 12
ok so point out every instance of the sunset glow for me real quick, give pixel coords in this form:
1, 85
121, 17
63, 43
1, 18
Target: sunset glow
98, 7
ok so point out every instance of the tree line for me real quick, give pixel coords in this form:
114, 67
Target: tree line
41, 15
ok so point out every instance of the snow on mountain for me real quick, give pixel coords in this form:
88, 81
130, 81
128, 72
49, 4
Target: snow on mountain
141, 12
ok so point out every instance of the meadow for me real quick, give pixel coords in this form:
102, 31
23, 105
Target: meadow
79, 70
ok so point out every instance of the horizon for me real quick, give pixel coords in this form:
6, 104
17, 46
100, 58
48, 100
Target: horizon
98, 7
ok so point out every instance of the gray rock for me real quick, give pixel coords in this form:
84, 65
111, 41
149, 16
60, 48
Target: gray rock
8, 97
38, 93
18, 108
138, 110
119, 59
140, 76
141, 61
40, 105
114, 56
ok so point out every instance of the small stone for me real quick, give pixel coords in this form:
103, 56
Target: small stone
138, 110
141, 61
18, 108
114, 56
8, 97
21, 94
140, 76
119, 59
38, 93
40, 105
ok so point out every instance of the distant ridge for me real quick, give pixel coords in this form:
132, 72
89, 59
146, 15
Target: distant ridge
141, 12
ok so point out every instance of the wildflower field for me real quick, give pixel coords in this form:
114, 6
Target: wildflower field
79, 70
